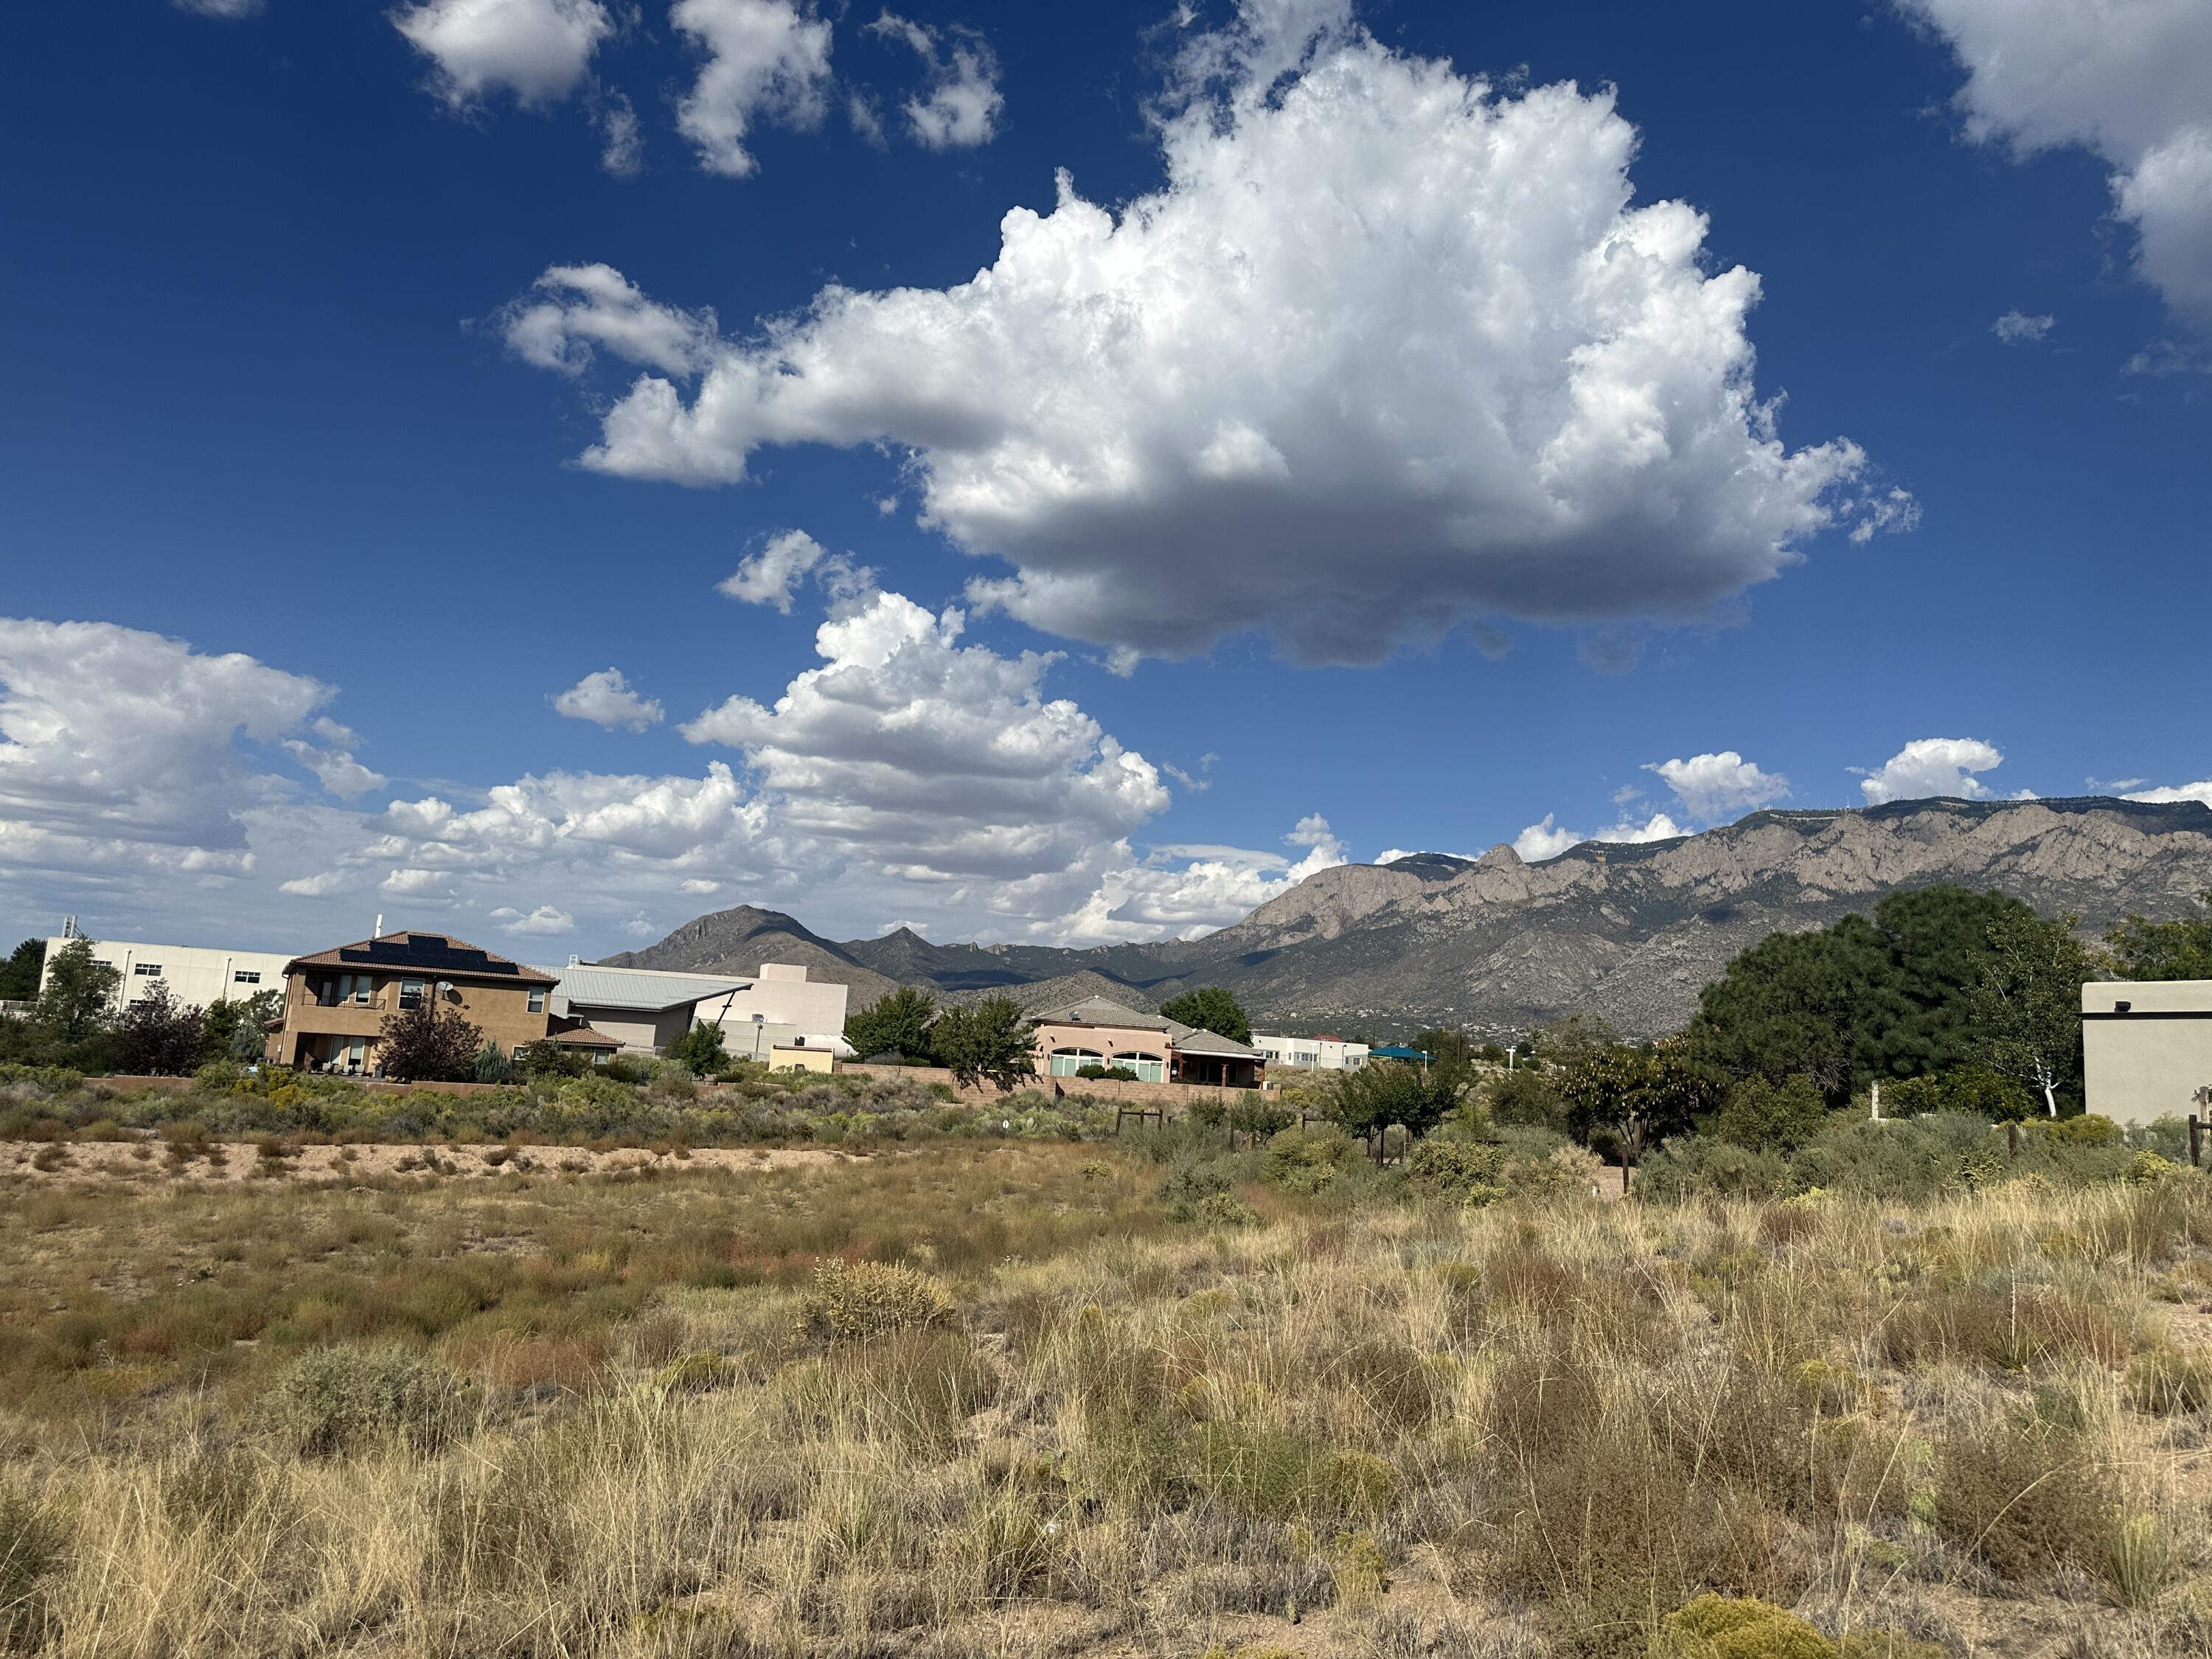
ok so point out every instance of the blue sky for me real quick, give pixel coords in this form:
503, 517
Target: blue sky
1381, 460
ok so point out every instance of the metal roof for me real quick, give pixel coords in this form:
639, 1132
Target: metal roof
640, 991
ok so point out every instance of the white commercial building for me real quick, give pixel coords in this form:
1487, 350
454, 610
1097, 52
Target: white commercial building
2146, 1048
196, 975
648, 1009
1313, 1054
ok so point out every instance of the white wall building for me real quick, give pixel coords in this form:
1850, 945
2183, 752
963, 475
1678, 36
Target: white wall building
196, 975
2146, 1048
1313, 1054
648, 1009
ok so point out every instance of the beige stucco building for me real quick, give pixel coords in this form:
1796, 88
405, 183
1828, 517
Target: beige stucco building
335, 1001
2146, 1046
1096, 1032
196, 975
649, 1008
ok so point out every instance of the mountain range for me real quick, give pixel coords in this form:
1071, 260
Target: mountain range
1495, 945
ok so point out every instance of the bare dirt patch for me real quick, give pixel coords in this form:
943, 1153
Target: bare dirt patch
76, 1164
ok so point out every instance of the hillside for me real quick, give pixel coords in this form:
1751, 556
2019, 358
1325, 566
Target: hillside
1496, 946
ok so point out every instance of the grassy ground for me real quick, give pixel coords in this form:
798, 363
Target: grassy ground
657, 1411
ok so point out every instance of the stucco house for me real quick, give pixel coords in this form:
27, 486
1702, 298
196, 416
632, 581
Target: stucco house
1096, 1032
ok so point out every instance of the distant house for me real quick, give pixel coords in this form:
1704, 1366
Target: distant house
1096, 1032
649, 1008
194, 975
1313, 1054
335, 1001
1397, 1051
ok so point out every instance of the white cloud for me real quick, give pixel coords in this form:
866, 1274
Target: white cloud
1714, 788
2017, 325
1388, 351
545, 919
2201, 793
219, 8
960, 102
2130, 81
1189, 891
770, 576
1547, 838
606, 699
1929, 767
572, 309
538, 50
335, 768
624, 154
767, 60
117, 746
944, 762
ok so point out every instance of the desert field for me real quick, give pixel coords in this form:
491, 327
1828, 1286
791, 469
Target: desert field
975, 1398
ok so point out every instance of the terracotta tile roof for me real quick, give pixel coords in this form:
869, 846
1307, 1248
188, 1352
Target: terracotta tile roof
565, 1033
441, 955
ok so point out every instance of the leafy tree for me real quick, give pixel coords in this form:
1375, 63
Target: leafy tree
1385, 1092
1635, 1097
894, 1023
2029, 1003
19, 975
1917, 975
419, 1044
700, 1049
1210, 1008
1768, 1118
233, 1030
1527, 1097
158, 1036
80, 993
1787, 1008
2141, 949
989, 1040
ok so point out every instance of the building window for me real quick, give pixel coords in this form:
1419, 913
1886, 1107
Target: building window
147, 970
410, 993
246, 976
537, 1000
521, 1051
1067, 1062
1149, 1068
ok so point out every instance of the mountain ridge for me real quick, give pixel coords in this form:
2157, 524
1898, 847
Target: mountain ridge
1631, 931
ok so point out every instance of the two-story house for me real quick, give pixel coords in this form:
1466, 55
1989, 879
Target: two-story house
335, 1001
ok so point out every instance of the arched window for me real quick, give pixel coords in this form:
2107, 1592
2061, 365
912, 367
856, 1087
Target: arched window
1149, 1068
1066, 1062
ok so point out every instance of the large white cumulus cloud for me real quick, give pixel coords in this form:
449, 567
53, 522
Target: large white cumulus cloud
538, 50
1386, 351
1930, 767
2131, 81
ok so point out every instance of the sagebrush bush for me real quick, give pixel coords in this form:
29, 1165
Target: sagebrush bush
2168, 1380
857, 1301
1308, 1163
1455, 1171
2024, 1498
333, 1400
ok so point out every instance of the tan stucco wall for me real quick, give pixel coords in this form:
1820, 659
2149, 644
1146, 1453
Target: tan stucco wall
2148, 1062
801, 1059
502, 1011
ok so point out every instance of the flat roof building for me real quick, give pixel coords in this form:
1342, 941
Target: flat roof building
1313, 1054
196, 975
650, 1008
2146, 1046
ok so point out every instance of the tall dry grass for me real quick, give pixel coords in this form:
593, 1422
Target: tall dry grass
1060, 1423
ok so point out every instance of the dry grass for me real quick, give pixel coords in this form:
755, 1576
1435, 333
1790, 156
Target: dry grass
674, 1414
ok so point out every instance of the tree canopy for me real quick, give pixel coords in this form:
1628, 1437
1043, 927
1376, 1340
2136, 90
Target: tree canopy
2029, 1004
80, 993
990, 1040
19, 973
1891, 997
1383, 1092
897, 1022
419, 1044
700, 1049
159, 1036
1210, 1008
2181, 949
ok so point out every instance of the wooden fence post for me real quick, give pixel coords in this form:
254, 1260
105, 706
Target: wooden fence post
2012, 1139
2196, 1139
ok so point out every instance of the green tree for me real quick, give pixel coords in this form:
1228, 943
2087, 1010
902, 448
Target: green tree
233, 1030
1787, 1008
2143, 949
1373, 1096
1634, 1098
1916, 976
2029, 1003
158, 1036
492, 1066
897, 1022
1210, 1008
990, 1040
420, 1044
1770, 1117
79, 996
699, 1050
19, 975
1526, 1097
1445, 1047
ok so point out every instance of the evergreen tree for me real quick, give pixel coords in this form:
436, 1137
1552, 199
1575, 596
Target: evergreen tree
894, 1023
19, 973
1210, 1008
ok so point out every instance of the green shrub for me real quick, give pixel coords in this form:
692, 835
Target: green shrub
1703, 1166
1278, 1475
2023, 1499
1188, 1183
1224, 1210
334, 1401
1725, 1627
1455, 1171
1770, 1117
1308, 1163
857, 1301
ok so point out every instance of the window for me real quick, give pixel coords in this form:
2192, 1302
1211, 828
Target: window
147, 970
246, 976
537, 1000
521, 1051
1066, 1062
410, 993
1149, 1068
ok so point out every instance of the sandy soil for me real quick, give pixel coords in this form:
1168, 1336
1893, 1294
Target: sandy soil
76, 1162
